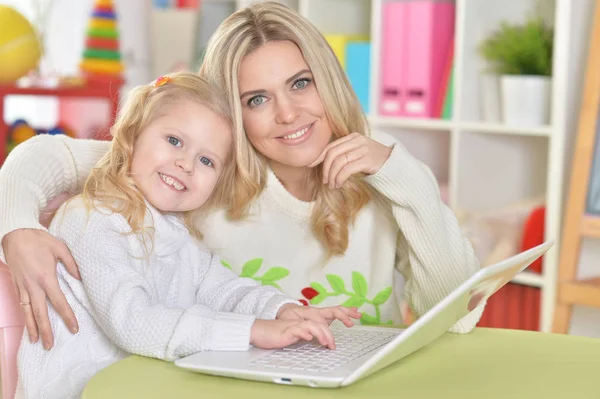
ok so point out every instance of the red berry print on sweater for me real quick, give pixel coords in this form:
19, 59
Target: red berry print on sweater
309, 293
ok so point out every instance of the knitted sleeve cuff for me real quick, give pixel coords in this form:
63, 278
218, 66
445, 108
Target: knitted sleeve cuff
272, 307
231, 332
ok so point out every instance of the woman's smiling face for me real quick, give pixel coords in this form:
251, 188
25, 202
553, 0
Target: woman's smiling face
283, 115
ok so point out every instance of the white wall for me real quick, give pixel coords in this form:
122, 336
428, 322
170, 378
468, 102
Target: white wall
586, 320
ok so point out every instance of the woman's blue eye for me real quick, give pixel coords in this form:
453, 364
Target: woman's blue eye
301, 83
256, 100
174, 141
206, 161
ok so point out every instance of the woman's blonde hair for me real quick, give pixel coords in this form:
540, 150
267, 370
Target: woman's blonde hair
244, 32
111, 184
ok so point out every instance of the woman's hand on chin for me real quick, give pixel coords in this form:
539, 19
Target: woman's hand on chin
349, 155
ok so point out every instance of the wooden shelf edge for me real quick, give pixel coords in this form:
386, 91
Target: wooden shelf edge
590, 226
501, 129
411, 123
470, 127
581, 292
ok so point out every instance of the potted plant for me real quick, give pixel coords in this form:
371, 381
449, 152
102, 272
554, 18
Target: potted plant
521, 54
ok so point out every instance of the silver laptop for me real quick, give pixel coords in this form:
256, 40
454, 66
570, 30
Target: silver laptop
360, 350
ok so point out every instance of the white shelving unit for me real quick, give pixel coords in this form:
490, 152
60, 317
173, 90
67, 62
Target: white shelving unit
486, 165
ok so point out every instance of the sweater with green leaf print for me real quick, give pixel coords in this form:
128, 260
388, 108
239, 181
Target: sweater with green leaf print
407, 231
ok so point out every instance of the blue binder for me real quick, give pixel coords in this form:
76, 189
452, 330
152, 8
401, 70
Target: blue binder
358, 67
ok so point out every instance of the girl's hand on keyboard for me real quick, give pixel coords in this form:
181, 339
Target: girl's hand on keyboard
322, 315
275, 334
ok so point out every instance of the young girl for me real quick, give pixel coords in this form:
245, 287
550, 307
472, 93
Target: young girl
147, 288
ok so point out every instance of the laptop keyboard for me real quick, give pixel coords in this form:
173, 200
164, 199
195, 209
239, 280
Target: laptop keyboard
311, 356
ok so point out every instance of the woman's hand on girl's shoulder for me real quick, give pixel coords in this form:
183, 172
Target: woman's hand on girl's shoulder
31, 256
349, 155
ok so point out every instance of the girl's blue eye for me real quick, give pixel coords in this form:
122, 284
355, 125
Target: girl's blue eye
256, 101
174, 141
301, 83
206, 161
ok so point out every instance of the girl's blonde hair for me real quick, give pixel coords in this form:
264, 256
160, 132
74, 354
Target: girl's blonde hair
244, 32
111, 184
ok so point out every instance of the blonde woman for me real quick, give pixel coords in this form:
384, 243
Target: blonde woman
147, 288
322, 210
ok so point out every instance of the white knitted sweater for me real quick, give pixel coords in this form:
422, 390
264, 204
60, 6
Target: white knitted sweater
178, 301
410, 231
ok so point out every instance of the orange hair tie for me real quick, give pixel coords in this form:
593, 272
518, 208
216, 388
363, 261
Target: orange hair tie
161, 81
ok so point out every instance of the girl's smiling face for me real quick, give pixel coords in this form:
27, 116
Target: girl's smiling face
178, 158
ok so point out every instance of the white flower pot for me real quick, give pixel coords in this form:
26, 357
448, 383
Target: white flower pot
526, 100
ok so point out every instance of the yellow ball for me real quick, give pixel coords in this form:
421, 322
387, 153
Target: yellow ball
21, 133
20, 49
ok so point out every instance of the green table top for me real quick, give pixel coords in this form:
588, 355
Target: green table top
487, 363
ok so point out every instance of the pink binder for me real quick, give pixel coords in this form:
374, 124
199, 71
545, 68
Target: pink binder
392, 60
428, 37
